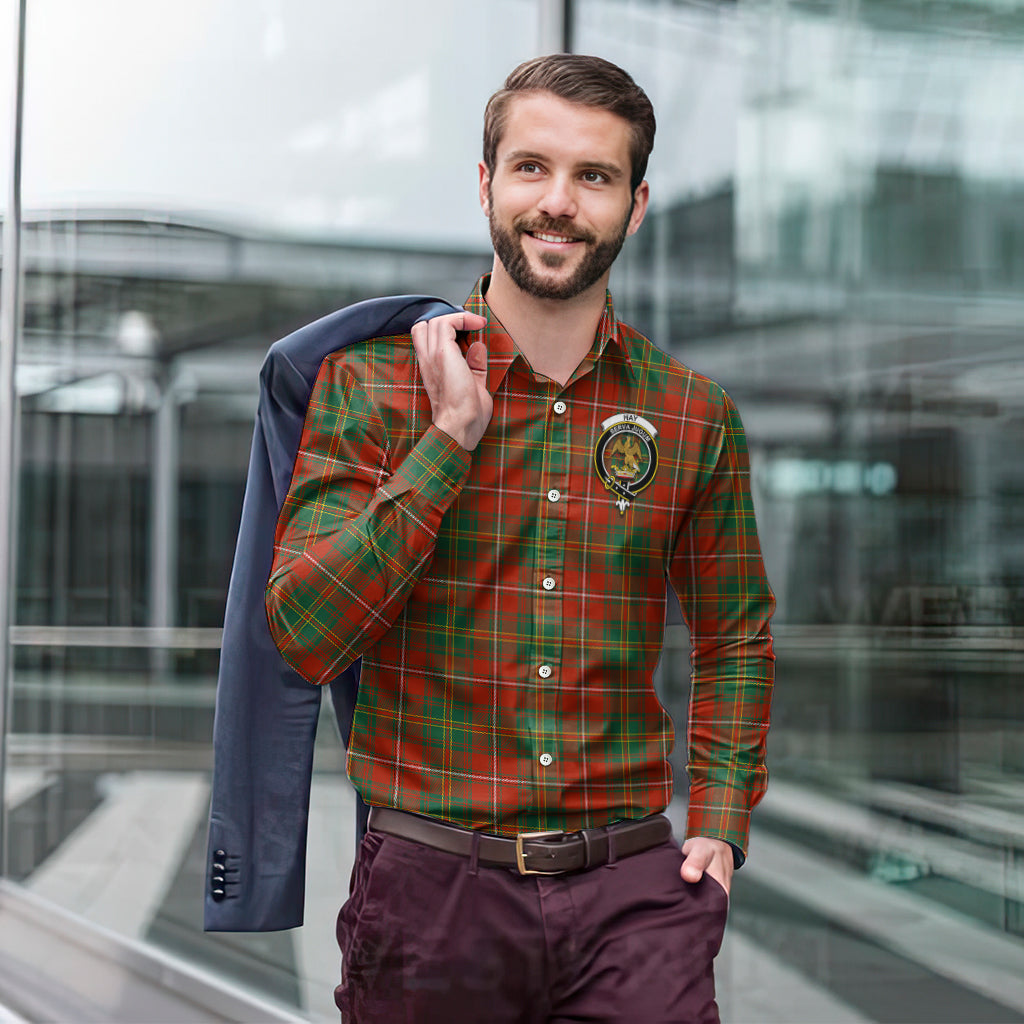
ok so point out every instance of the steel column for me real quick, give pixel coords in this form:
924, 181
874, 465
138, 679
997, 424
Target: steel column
10, 321
554, 24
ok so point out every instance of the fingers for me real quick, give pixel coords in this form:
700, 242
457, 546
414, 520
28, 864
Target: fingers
705, 854
456, 386
440, 327
696, 863
476, 356
472, 321
434, 342
434, 339
463, 320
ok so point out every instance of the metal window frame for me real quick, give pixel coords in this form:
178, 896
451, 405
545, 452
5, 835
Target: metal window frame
10, 327
555, 19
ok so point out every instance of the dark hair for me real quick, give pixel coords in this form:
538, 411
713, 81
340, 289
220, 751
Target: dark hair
591, 81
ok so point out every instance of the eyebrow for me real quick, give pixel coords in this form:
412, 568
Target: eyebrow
613, 171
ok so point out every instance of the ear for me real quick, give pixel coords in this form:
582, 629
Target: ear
641, 197
485, 183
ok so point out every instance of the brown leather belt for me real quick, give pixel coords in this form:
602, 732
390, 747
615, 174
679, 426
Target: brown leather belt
530, 853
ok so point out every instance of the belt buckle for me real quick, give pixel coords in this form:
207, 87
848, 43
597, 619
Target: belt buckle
521, 856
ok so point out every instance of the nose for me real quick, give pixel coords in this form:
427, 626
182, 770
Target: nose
559, 198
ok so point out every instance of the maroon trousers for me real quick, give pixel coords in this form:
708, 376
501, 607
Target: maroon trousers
429, 937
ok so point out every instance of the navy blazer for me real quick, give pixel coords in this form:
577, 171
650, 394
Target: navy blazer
266, 713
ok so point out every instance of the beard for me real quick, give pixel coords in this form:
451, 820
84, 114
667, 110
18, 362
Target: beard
598, 257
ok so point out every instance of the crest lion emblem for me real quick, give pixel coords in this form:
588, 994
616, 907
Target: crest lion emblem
626, 456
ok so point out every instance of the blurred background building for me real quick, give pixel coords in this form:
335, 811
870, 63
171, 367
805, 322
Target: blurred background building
836, 236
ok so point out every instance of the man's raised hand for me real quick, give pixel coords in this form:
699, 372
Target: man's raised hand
460, 404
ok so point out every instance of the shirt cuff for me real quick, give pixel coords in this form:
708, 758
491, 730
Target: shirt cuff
436, 468
720, 812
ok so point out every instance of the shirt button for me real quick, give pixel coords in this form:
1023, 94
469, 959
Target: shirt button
544, 671
559, 407
549, 583
554, 494
546, 759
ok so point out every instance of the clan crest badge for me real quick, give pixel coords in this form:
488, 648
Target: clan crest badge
626, 457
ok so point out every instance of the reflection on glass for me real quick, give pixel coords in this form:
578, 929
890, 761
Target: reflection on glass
836, 237
200, 179
8, 26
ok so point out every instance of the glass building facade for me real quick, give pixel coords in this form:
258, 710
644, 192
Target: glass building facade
836, 235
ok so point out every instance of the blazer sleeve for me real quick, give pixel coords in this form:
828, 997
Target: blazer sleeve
266, 714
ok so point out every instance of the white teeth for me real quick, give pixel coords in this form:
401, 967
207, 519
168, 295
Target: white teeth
551, 238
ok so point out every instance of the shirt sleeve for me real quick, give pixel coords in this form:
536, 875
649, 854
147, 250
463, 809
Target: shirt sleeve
354, 534
718, 574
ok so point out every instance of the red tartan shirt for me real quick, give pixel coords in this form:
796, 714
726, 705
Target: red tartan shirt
509, 603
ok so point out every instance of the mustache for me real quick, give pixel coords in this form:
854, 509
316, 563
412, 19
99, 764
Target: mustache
552, 226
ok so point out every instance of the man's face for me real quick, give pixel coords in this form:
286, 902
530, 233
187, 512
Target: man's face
559, 203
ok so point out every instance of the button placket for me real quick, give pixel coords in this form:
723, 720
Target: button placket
552, 508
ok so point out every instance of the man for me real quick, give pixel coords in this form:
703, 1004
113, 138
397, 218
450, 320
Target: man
487, 512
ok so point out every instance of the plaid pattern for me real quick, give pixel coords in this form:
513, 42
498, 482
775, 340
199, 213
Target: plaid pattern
509, 617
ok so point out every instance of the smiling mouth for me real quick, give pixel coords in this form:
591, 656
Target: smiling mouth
544, 236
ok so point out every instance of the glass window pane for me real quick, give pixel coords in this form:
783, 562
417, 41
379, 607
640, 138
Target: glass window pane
836, 236
8, 23
352, 120
200, 179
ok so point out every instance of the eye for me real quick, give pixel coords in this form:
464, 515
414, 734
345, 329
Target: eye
529, 167
594, 177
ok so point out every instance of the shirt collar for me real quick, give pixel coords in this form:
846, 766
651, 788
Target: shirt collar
502, 351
